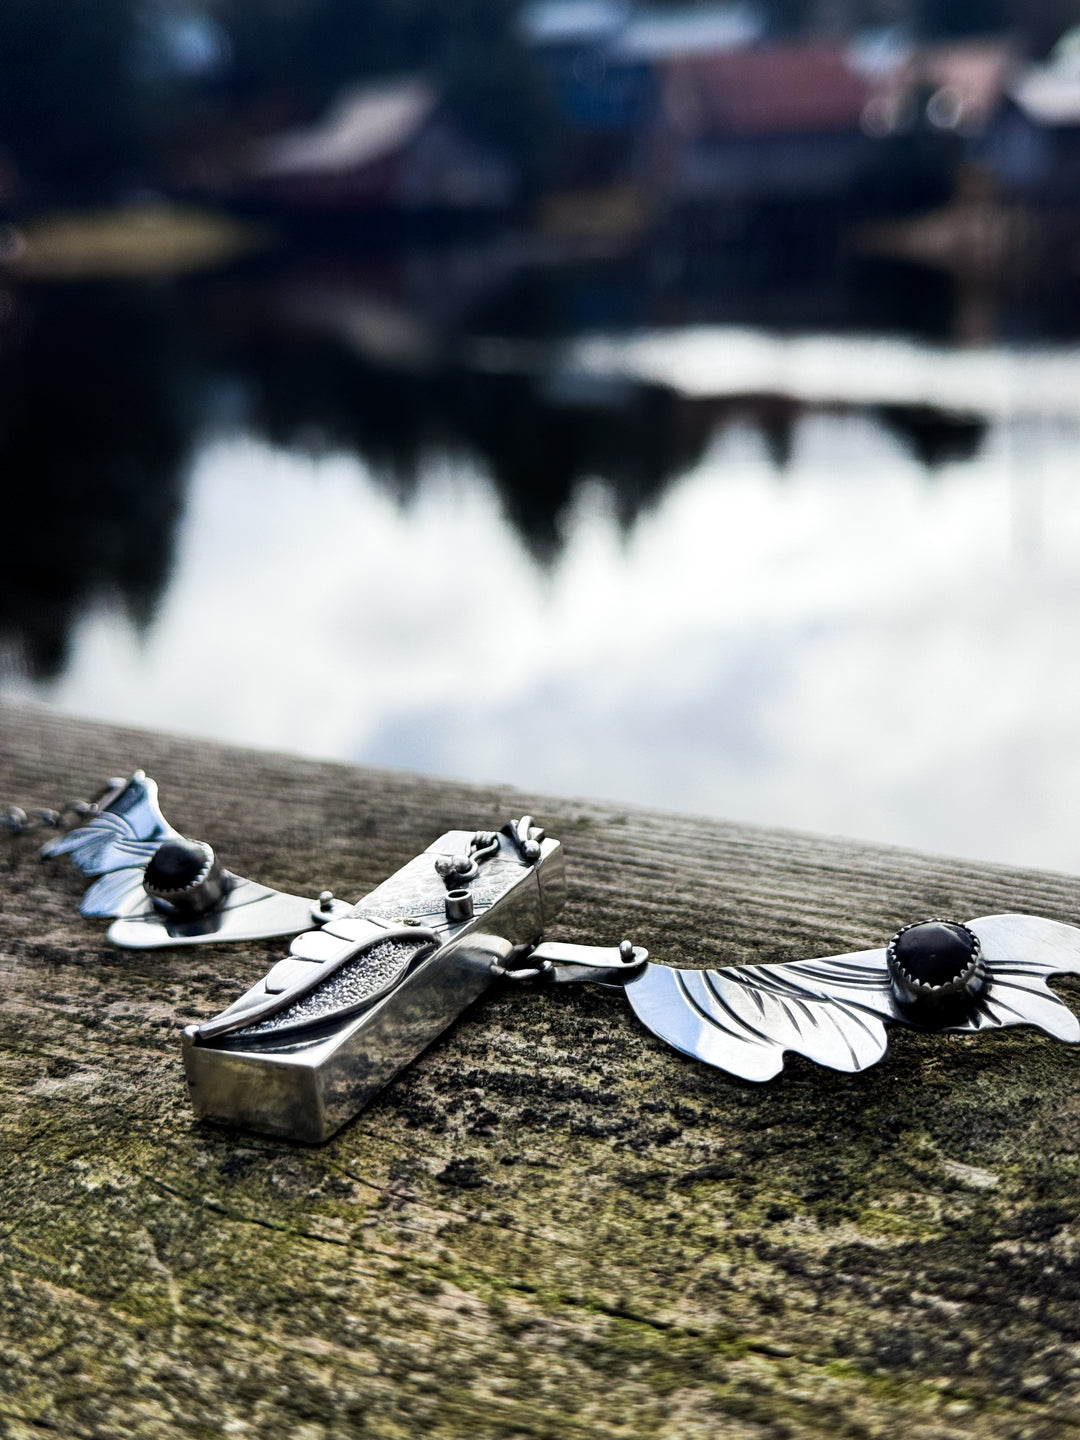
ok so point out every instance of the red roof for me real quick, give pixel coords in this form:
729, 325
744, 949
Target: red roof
789, 90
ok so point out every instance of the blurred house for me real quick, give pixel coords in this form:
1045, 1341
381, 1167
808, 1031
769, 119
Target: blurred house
783, 122
1011, 224
387, 147
695, 107
952, 89
1033, 147
603, 61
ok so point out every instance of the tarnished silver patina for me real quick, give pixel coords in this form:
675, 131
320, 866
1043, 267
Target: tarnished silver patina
366, 988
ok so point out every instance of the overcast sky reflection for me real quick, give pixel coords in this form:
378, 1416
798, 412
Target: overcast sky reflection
852, 645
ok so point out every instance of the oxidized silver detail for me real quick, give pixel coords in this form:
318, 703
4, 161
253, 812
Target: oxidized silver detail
313, 959
202, 893
160, 893
526, 836
455, 870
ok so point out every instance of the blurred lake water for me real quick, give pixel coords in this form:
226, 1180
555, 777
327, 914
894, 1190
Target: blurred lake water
823, 578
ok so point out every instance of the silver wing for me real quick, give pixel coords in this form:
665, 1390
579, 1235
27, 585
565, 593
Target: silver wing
117, 845
1022, 953
249, 912
743, 1019
835, 1010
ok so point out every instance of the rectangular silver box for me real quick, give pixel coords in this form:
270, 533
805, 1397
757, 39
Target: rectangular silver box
306, 1088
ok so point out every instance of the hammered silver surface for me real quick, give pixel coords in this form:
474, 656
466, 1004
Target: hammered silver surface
372, 972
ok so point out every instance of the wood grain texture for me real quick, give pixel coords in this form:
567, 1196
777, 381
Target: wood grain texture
552, 1225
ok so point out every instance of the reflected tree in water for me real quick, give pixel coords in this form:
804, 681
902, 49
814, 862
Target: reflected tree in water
110, 390
934, 437
537, 436
541, 439
93, 439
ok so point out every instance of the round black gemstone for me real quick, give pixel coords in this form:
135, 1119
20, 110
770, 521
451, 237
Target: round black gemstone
176, 865
935, 952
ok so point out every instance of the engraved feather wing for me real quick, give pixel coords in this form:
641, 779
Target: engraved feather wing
114, 893
121, 837
742, 1019
835, 1010
1022, 952
116, 845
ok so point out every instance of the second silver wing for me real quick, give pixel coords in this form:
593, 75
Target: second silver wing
835, 1010
116, 845
123, 836
249, 912
743, 1019
1022, 952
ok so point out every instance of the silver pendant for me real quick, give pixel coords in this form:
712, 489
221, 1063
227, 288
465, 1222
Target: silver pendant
356, 1001
366, 988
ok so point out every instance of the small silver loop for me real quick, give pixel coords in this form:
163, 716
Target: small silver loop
15, 820
529, 972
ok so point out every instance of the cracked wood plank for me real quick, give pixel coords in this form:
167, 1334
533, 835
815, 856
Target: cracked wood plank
552, 1225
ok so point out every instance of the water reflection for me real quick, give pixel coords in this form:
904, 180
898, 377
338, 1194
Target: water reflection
732, 572
92, 448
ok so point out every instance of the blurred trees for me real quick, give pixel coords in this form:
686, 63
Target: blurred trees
928, 19
68, 110
951, 19
94, 433
1041, 23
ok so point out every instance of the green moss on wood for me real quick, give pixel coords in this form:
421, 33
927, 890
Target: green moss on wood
552, 1225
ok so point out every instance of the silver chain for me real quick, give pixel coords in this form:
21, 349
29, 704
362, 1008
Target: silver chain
16, 821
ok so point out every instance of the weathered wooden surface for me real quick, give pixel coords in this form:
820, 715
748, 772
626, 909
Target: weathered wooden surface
552, 1225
